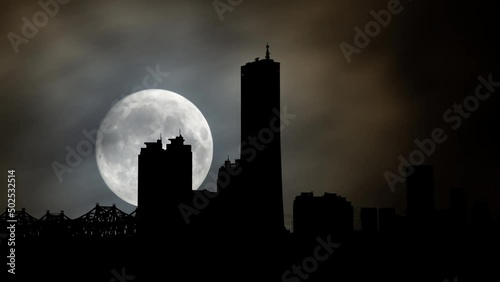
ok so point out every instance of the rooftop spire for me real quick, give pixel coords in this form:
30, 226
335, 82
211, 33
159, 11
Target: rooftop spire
267, 52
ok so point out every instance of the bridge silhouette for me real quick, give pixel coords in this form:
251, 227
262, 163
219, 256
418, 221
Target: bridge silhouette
99, 222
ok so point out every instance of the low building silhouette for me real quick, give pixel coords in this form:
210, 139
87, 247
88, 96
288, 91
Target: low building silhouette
328, 214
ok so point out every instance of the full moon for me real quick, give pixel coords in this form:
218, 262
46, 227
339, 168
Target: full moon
142, 117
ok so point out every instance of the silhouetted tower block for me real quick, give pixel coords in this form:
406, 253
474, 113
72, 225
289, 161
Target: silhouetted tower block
329, 214
151, 181
387, 219
420, 192
261, 140
164, 181
179, 162
458, 205
369, 219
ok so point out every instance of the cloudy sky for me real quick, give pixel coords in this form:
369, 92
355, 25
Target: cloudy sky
353, 119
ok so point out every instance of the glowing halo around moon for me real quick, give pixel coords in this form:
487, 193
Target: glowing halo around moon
142, 117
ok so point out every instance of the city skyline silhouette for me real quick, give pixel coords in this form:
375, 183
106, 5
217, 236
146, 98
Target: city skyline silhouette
221, 235
353, 119
233, 140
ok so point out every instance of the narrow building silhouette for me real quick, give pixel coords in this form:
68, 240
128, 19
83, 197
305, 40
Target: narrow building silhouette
261, 141
164, 182
165, 178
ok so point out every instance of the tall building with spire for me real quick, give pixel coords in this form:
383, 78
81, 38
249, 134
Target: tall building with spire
261, 138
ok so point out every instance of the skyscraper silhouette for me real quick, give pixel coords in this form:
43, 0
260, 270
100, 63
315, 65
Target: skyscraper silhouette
261, 140
165, 176
179, 163
164, 181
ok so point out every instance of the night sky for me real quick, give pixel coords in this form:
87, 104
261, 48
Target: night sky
353, 119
